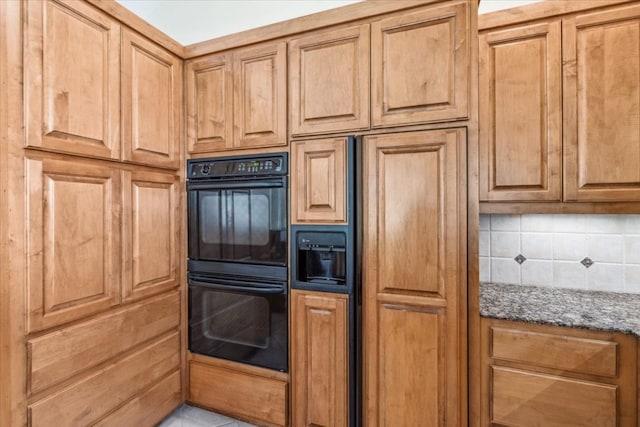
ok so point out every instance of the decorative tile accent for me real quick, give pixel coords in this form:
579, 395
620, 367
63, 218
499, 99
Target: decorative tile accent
520, 259
587, 262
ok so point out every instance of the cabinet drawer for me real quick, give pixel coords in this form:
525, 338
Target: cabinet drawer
578, 355
528, 399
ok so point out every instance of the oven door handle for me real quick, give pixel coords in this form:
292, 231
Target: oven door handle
271, 290
276, 183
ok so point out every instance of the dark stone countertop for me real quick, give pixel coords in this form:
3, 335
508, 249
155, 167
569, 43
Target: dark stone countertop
606, 311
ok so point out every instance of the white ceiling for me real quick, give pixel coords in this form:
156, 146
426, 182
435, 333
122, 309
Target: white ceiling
192, 21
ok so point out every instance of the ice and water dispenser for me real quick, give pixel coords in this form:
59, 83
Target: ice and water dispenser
321, 258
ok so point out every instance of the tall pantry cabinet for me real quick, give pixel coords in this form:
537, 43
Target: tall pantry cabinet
91, 218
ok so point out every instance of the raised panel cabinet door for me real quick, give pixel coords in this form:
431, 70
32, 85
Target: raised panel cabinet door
260, 96
601, 56
210, 104
318, 184
72, 76
414, 298
320, 361
150, 234
151, 103
329, 81
420, 66
521, 113
73, 240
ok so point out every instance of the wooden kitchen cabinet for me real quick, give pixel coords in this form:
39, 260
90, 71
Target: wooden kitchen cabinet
318, 183
237, 99
151, 235
601, 53
556, 376
420, 66
414, 305
151, 103
521, 113
72, 72
329, 82
73, 240
320, 360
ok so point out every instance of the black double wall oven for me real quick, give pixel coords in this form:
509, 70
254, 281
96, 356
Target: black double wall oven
237, 269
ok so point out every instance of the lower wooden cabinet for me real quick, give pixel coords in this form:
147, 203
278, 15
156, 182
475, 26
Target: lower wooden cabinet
241, 391
535, 375
319, 359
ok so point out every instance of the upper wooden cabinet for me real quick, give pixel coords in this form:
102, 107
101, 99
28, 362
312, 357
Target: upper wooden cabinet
72, 79
414, 304
237, 99
420, 66
73, 240
601, 53
521, 113
151, 103
320, 361
329, 83
318, 181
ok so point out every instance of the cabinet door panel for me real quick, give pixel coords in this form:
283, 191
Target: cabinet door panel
329, 82
151, 234
420, 64
209, 104
413, 299
73, 240
520, 109
152, 96
318, 185
319, 359
72, 68
602, 108
260, 100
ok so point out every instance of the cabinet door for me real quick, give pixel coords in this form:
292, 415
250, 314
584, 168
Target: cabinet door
210, 104
413, 287
601, 55
73, 240
260, 96
329, 82
319, 359
318, 184
151, 103
72, 72
420, 66
520, 112
150, 234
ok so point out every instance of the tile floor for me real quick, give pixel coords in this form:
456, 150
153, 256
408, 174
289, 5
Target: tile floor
190, 416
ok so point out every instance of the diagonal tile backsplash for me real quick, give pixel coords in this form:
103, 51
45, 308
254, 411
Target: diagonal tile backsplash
596, 252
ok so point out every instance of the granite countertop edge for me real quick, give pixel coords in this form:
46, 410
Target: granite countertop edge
595, 310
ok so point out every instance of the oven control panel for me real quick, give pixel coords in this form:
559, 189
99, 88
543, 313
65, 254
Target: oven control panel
271, 164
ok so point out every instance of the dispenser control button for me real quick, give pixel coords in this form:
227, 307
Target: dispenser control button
205, 169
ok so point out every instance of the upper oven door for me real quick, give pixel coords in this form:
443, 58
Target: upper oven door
241, 221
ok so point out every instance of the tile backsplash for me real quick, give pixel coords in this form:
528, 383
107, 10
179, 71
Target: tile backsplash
596, 252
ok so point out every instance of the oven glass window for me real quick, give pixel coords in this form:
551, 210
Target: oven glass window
236, 318
247, 225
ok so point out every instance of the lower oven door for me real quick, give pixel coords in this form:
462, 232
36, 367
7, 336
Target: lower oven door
243, 321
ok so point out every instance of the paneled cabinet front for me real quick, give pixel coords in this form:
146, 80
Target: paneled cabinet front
329, 83
414, 305
237, 99
420, 66
320, 362
150, 233
72, 79
318, 181
151, 100
521, 113
73, 240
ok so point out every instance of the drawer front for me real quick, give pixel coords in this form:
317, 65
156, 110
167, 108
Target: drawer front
529, 399
578, 355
